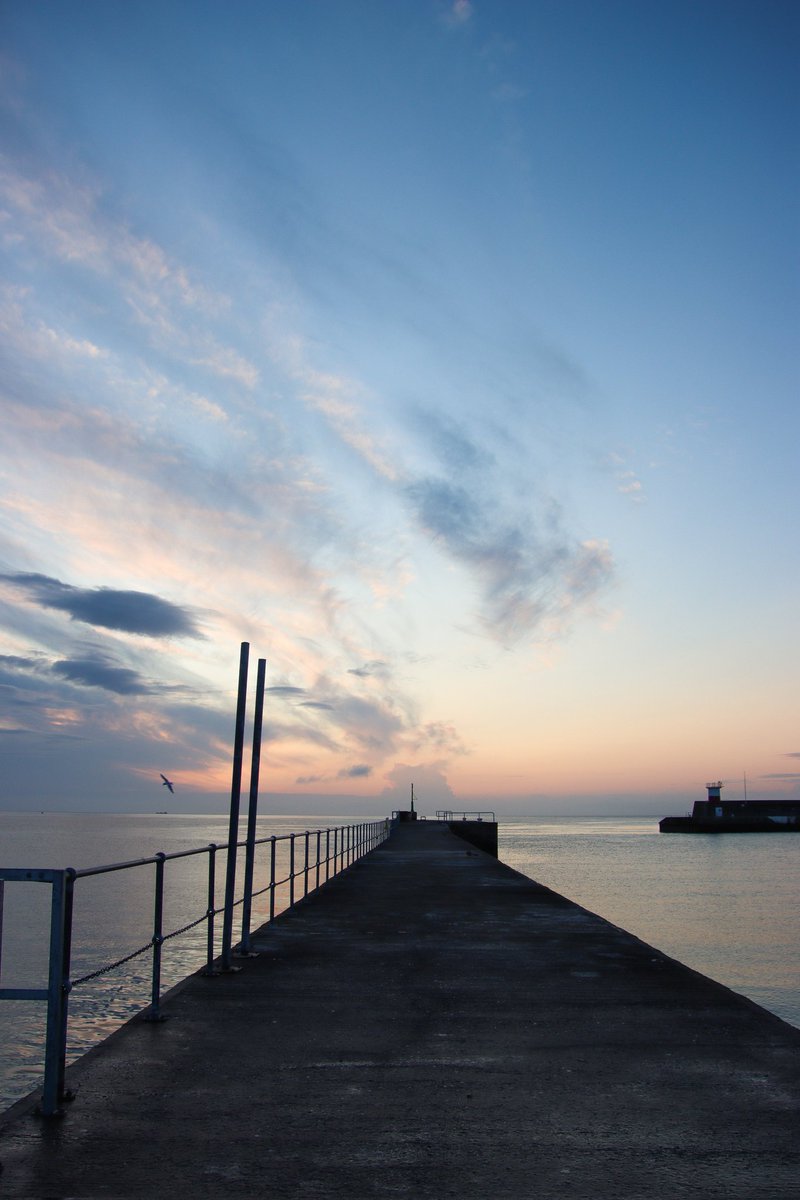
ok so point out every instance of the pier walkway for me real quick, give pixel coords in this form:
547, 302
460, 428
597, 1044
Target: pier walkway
431, 1024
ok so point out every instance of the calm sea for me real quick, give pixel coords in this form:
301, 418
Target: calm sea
725, 905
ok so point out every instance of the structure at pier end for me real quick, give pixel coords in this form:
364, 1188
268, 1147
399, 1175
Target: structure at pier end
715, 815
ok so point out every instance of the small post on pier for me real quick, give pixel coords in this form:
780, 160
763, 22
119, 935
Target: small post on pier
233, 826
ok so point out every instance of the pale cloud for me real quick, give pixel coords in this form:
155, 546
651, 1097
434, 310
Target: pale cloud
509, 93
57, 213
329, 395
627, 480
161, 388
186, 343
29, 335
459, 13
335, 397
439, 736
429, 780
228, 364
629, 485
67, 219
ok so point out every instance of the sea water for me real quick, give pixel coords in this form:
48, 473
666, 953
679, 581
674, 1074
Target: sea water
723, 904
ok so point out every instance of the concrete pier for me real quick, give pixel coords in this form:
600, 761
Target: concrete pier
431, 1024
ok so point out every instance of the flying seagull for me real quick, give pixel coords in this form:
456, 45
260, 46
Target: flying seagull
167, 783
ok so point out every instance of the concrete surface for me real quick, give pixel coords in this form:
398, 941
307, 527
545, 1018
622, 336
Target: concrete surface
432, 1024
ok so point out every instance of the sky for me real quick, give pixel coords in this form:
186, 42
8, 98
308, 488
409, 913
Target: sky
444, 352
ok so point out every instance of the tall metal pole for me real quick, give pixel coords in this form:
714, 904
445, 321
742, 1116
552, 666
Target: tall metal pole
252, 811
233, 827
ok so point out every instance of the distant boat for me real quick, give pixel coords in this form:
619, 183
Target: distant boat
715, 815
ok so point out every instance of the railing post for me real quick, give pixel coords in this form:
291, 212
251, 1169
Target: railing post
53, 1092
252, 811
319, 841
272, 841
327, 855
66, 987
233, 825
305, 867
154, 1012
210, 910
291, 870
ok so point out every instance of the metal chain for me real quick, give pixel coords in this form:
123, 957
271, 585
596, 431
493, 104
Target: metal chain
142, 950
261, 891
191, 925
111, 966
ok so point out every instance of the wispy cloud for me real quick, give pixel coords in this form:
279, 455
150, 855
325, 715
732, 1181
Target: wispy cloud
459, 13
629, 485
340, 401
441, 737
370, 669
627, 481
29, 334
70, 221
528, 571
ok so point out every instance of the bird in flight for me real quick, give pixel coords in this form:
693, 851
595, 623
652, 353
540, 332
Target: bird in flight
167, 783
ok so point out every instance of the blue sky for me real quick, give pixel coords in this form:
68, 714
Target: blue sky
446, 352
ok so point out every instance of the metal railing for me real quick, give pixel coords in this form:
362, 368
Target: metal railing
314, 857
448, 814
